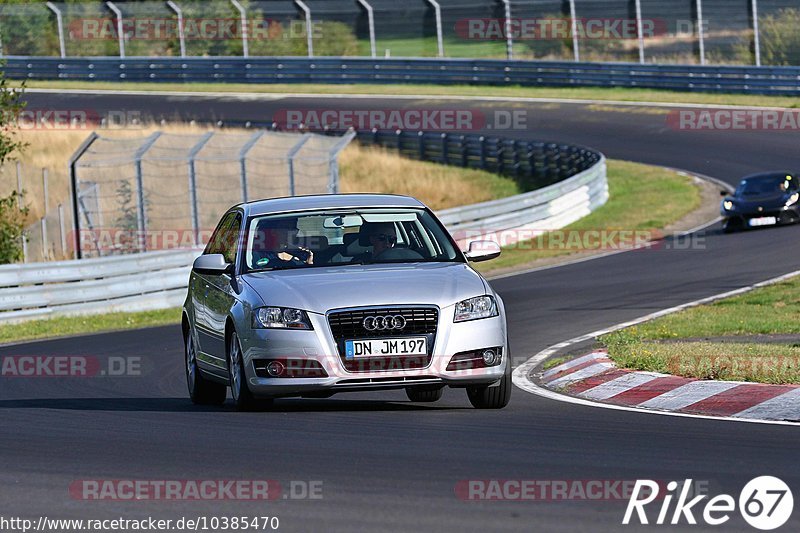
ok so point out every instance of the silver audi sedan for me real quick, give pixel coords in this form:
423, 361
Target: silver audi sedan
313, 295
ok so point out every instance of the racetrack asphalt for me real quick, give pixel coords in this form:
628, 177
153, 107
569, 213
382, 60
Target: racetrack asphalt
387, 464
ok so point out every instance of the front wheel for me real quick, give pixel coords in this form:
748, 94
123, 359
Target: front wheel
201, 390
242, 397
497, 397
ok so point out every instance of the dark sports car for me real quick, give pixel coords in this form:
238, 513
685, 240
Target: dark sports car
766, 199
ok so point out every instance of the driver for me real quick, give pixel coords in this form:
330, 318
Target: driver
382, 237
275, 245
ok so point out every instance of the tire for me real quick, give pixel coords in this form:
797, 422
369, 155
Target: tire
242, 397
202, 391
424, 395
492, 397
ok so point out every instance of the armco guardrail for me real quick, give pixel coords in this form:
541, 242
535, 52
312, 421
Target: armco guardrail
135, 282
520, 217
732, 79
157, 280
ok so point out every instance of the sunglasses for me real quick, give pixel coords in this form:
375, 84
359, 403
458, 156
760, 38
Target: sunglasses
382, 237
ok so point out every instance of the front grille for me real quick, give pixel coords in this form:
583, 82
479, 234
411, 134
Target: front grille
348, 325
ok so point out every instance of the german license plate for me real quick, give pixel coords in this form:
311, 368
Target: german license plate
763, 221
357, 349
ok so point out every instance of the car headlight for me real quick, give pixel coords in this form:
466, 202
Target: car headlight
475, 308
281, 318
792, 199
727, 205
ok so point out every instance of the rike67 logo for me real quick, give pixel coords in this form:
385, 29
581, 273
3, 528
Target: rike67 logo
765, 503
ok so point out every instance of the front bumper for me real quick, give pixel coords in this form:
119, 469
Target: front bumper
319, 345
741, 219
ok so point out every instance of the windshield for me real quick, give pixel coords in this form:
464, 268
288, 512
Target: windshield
346, 237
773, 184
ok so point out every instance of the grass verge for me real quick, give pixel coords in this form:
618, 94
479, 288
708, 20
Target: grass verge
641, 198
684, 343
78, 325
576, 93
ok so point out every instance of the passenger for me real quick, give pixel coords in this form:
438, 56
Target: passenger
275, 245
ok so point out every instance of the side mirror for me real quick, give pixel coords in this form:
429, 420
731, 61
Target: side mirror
212, 264
482, 251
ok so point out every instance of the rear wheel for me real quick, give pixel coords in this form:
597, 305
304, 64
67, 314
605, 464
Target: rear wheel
424, 395
242, 397
202, 391
497, 397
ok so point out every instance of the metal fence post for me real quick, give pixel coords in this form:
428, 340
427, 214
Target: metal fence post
371, 23
73, 178
333, 160
193, 185
243, 16
243, 161
61, 230
46, 199
141, 212
60, 23
437, 11
19, 206
701, 34
756, 35
43, 224
574, 24
120, 34
640, 30
45, 192
181, 31
309, 30
290, 155
507, 25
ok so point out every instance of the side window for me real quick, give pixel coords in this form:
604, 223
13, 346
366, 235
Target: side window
232, 239
225, 237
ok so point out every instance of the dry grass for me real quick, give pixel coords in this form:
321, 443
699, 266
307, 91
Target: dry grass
370, 169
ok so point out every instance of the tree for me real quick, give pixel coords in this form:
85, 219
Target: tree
12, 213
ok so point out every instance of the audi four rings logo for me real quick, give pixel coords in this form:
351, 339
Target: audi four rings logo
382, 323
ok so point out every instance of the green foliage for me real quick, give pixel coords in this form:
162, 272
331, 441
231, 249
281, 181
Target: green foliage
128, 218
12, 212
12, 226
780, 39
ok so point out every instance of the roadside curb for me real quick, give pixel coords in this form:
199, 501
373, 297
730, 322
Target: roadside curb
525, 374
595, 377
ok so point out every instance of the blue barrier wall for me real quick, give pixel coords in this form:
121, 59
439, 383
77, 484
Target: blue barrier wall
722, 79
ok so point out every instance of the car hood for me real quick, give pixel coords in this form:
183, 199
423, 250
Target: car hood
320, 289
766, 201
